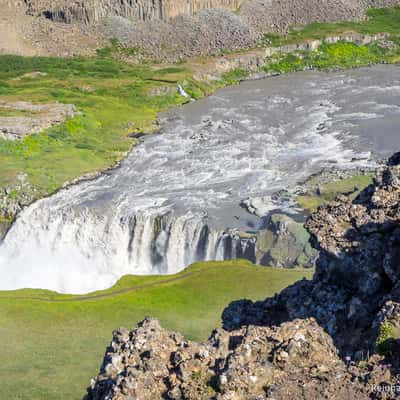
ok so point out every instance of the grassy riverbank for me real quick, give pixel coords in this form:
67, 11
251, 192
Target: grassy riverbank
117, 99
329, 56
341, 54
53, 344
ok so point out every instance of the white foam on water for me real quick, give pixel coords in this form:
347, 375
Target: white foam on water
176, 198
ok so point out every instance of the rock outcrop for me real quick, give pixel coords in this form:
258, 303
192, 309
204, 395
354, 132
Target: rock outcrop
316, 339
284, 243
22, 118
13, 199
264, 16
296, 360
358, 270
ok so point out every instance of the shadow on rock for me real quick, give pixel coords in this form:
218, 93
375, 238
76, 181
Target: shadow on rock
357, 274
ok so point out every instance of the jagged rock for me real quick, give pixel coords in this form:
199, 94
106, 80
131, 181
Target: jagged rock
358, 269
295, 360
13, 198
284, 243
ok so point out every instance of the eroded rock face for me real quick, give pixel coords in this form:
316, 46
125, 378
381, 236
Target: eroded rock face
24, 118
167, 30
13, 199
285, 243
295, 360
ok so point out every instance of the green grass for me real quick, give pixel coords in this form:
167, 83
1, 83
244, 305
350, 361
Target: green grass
336, 55
379, 20
53, 344
234, 76
329, 191
114, 101
387, 341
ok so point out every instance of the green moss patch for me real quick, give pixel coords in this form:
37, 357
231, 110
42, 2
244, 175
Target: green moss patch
378, 20
319, 194
387, 340
330, 56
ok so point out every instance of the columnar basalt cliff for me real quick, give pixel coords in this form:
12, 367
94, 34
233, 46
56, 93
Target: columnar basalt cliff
305, 343
91, 11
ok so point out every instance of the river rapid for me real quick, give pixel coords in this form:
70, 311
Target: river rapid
176, 198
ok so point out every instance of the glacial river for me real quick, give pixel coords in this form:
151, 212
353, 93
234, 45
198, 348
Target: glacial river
176, 198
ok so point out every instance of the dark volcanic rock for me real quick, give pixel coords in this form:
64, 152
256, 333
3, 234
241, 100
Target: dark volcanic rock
295, 360
358, 269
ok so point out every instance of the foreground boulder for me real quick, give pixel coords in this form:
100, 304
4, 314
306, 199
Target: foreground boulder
295, 360
316, 339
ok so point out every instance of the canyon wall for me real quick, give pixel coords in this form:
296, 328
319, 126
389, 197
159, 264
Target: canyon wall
90, 11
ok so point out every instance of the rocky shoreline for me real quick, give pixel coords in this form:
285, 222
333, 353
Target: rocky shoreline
336, 336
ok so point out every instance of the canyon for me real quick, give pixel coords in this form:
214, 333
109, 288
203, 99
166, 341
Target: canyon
233, 174
185, 194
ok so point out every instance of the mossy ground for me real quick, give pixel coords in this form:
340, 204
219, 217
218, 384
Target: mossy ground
319, 194
330, 56
340, 54
53, 344
114, 98
387, 340
378, 20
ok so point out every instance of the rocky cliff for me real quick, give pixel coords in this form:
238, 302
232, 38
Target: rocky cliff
91, 11
316, 339
167, 30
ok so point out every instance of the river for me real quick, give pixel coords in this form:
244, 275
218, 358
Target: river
176, 198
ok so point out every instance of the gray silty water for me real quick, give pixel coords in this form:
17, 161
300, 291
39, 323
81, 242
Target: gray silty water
174, 197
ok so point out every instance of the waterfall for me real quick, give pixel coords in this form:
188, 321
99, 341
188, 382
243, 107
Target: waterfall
78, 250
